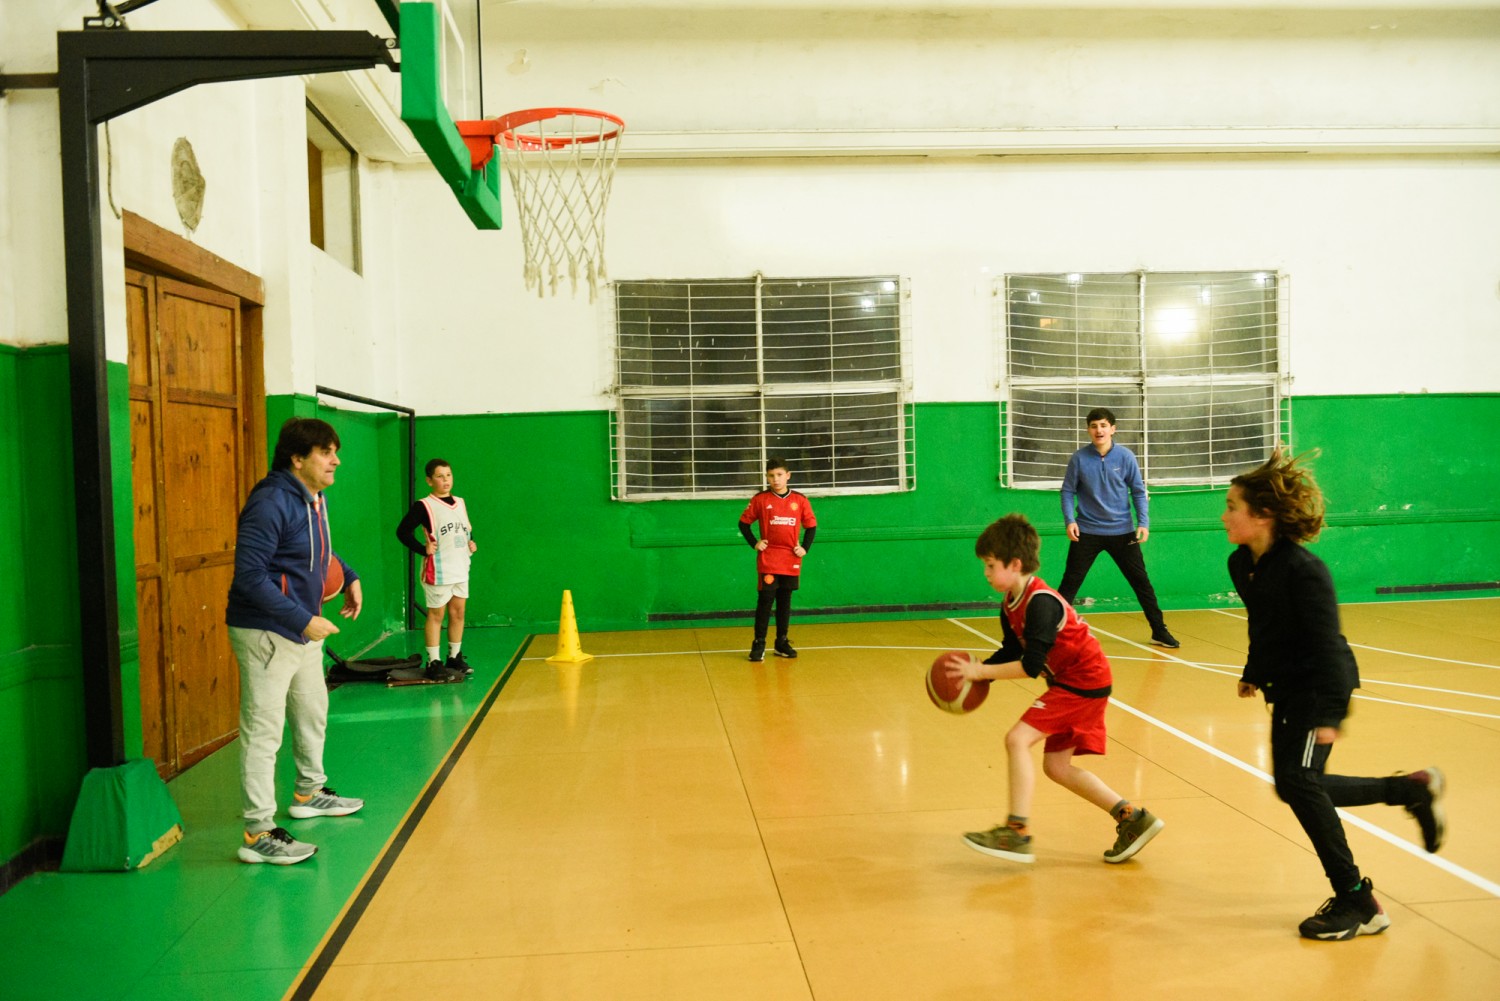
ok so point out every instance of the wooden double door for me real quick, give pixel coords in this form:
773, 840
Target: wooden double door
191, 439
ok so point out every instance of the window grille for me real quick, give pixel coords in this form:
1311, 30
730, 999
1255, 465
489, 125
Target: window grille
714, 376
1191, 364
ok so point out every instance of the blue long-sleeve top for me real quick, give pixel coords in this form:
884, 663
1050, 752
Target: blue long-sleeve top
1104, 487
281, 558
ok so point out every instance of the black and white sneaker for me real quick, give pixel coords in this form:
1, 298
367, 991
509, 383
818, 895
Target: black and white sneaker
439, 672
1345, 915
758, 652
459, 665
1427, 807
1163, 638
785, 649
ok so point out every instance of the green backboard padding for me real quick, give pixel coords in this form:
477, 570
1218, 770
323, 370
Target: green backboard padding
423, 111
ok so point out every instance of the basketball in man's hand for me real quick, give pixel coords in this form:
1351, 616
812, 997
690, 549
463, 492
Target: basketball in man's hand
952, 693
333, 583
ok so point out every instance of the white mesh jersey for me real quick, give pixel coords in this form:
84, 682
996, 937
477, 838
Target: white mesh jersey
449, 526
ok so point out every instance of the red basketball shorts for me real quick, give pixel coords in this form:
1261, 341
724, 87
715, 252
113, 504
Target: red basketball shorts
1069, 721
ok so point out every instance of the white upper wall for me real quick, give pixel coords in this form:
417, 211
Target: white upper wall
1394, 247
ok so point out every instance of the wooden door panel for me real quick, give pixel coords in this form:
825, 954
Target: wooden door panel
143, 481
140, 370
199, 344
201, 462
155, 689
206, 679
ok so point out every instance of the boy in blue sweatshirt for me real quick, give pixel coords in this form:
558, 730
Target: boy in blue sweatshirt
282, 565
1102, 482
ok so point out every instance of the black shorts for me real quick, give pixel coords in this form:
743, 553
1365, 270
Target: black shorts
777, 581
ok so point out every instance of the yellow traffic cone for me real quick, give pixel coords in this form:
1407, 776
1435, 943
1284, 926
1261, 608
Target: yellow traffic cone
568, 649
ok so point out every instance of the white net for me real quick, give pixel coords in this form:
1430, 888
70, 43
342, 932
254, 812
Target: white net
561, 163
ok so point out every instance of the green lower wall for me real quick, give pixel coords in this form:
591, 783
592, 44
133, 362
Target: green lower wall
1411, 503
1397, 477
42, 757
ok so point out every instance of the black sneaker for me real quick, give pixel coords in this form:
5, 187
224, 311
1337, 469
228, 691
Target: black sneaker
438, 671
1345, 915
1427, 807
1163, 638
458, 664
784, 649
758, 651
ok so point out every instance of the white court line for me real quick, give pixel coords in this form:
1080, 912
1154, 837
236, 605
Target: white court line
1472, 878
1394, 653
1364, 698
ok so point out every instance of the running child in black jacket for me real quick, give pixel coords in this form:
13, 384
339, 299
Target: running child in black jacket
1301, 662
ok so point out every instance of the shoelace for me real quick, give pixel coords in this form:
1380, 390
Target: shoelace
280, 834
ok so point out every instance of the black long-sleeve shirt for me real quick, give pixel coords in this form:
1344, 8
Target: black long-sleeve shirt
417, 518
1298, 655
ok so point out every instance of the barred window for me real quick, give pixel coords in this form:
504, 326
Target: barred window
1190, 364
714, 376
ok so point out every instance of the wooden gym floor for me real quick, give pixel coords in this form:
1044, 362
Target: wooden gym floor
668, 821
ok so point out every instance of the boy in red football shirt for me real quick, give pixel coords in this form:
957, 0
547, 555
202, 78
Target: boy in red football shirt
783, 514
1044, 637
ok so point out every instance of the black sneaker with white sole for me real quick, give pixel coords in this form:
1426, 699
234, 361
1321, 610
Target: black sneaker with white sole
1345, 915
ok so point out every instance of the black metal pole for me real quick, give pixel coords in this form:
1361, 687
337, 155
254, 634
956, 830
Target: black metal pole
98, 602
411, 466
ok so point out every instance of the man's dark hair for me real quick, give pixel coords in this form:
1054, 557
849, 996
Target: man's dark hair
433, 465
776, 462
299, 436
1100, 414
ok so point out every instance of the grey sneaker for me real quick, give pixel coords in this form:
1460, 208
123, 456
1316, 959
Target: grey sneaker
1131, 835
323, 803
1002, 842
276, 847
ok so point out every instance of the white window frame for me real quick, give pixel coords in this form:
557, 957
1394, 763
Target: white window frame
1137, 434
760, 389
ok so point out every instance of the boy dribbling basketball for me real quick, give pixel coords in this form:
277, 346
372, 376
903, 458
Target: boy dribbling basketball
1044, 637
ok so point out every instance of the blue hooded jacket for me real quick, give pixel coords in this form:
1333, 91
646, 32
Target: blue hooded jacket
281, 558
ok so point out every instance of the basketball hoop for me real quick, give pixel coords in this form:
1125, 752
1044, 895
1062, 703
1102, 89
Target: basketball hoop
561, 162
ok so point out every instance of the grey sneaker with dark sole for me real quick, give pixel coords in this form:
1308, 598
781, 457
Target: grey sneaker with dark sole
1131, 835
1002, 842
276, 847
324, 803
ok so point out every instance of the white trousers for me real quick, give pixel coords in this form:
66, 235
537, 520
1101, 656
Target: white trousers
279, 679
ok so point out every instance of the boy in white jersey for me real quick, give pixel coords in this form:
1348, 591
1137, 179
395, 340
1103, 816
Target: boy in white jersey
445, 567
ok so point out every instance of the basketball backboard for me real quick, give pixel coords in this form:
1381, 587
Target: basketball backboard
462, 62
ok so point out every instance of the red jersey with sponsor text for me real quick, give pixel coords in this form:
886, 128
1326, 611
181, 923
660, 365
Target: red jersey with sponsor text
1076, 659
781, 519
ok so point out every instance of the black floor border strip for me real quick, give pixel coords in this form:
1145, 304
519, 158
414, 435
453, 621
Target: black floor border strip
330, 951
749, 613
1478, 585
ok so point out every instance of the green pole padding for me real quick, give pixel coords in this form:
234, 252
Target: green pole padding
123, 819
423, 112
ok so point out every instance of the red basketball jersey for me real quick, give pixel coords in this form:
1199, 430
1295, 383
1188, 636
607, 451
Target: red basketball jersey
1076, 659
781, 522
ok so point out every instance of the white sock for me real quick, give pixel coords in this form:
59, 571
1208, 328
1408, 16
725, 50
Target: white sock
432, 654
453, 649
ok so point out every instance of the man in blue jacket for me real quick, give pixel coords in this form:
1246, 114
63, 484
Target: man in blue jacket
1102, 482
283, 562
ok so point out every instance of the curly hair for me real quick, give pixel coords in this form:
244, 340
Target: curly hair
1011, 538
1283, 489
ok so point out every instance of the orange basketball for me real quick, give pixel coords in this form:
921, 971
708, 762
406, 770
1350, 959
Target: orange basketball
333, 581
950, 694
